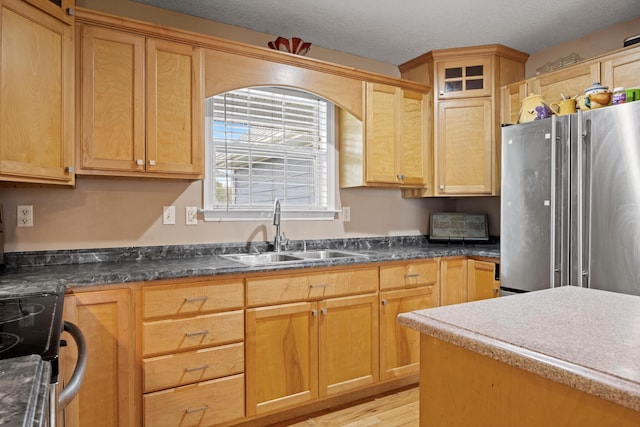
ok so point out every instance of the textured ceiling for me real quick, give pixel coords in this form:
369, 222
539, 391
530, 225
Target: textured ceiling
397, 31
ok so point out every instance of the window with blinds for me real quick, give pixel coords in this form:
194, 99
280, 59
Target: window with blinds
265, 144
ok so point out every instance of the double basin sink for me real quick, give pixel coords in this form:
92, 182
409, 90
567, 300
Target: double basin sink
270, 258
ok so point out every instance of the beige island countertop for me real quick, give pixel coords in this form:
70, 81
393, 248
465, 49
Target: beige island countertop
540, 357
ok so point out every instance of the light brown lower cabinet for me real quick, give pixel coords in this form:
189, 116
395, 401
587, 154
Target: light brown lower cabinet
107, 396
470, 279
192, 345
305, 350
453, 281
404, 287
482, 281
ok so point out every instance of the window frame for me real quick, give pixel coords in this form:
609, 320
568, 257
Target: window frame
262, 213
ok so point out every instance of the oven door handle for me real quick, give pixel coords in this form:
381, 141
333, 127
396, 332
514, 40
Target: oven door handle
73, 387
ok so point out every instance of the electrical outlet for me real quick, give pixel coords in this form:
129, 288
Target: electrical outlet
191, 215
25, 215
168, 215
346, 214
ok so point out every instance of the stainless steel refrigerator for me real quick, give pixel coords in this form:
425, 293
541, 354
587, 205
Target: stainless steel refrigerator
570, 205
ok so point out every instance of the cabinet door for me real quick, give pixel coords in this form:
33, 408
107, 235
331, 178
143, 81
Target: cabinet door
381, 134
282, 356
570, 82
112, 96
107, 395
413, 146
622, 70
399, 345
175, 99
482, 280
453, 282
510, 100
348, 346
36, 96
464, 78
464, 147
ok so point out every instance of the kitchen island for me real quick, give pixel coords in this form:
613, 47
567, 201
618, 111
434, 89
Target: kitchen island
565, 356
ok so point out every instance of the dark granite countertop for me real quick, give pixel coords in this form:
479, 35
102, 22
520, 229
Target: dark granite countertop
24, 386
47, 271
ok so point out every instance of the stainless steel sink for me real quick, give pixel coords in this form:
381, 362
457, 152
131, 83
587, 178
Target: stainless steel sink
264, 258
327, 254
290, 257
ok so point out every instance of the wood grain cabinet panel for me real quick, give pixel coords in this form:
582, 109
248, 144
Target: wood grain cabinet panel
310, 286
399, 345
36, 96
107, 394
391, 146
173, 370
409, 275
192, 352
206, 403
467, 98
482, 282
141, 104
169, 335
317, 346
194, 298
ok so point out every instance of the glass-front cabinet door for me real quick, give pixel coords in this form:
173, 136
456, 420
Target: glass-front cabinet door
464, 78
60, 9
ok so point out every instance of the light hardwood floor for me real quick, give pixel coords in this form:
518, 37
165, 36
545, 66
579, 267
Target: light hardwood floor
392, 410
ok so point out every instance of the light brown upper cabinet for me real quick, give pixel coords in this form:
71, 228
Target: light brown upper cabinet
141, 105
390, 147
467, 136
36, 95
618, 68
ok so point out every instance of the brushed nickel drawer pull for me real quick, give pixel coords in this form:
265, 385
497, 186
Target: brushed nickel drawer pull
200, 409
412, 275
199, 368
195, 334
323, 285
196, 299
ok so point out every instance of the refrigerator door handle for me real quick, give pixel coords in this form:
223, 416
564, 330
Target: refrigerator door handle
584, 191
556, 261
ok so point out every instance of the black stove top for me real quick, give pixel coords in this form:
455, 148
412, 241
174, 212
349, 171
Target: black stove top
31, 324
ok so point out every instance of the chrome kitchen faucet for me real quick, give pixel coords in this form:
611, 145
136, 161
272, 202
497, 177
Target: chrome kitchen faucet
277, 241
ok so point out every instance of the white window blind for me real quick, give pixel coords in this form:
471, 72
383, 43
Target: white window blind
266, 144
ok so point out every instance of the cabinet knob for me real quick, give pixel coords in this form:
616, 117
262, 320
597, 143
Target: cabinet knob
140, 162
314, 313
442, 186
70, 11
323, 311
69, 169
152, 162
384, 302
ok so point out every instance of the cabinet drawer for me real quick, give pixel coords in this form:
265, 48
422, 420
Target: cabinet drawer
167, 336
300, 287
203, 404
175, 370
409, 275
195, 298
